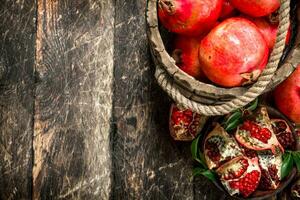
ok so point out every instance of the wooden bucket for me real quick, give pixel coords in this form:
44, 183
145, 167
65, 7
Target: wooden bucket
209, 99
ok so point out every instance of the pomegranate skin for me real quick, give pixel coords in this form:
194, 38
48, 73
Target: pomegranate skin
186, 55
232, 51
269, 31
189, 17
227, 10
287, 96
256, 8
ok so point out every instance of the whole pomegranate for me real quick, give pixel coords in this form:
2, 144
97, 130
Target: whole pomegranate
189, 17
240, 175
185, 124
256, 8
269, 31
186, 55
287, 96
227, 10
257, 134
219, 147
233, 53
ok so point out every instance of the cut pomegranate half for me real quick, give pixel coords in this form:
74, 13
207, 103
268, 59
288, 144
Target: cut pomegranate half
185, 124
283, 133
257, 134
240, 175
270, 165
219, 147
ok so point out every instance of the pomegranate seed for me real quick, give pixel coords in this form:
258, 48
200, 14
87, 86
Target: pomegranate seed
262, 134
247, 184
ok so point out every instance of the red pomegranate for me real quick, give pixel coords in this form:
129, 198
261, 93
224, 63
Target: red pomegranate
186, 55
256, 8
287, 96
240, 175
184, 124
257, 134
189, 17
283, 133
270, 165
269, 31
227, 10
233, 53
219, 147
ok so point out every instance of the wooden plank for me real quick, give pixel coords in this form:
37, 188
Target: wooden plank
146, 163
73, 99
17, 40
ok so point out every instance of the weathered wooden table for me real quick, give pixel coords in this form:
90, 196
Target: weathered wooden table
81, 116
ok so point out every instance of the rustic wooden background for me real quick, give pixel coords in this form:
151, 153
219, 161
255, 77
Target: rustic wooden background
81, 116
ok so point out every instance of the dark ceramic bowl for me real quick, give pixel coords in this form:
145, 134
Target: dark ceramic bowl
258, 194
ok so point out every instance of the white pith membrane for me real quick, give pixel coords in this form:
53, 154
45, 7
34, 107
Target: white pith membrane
262, 119
265, 160
227, 146
234, 165
275, 121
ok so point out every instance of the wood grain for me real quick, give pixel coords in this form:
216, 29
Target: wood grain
81, 116
73, 99
17, 39
146, 163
